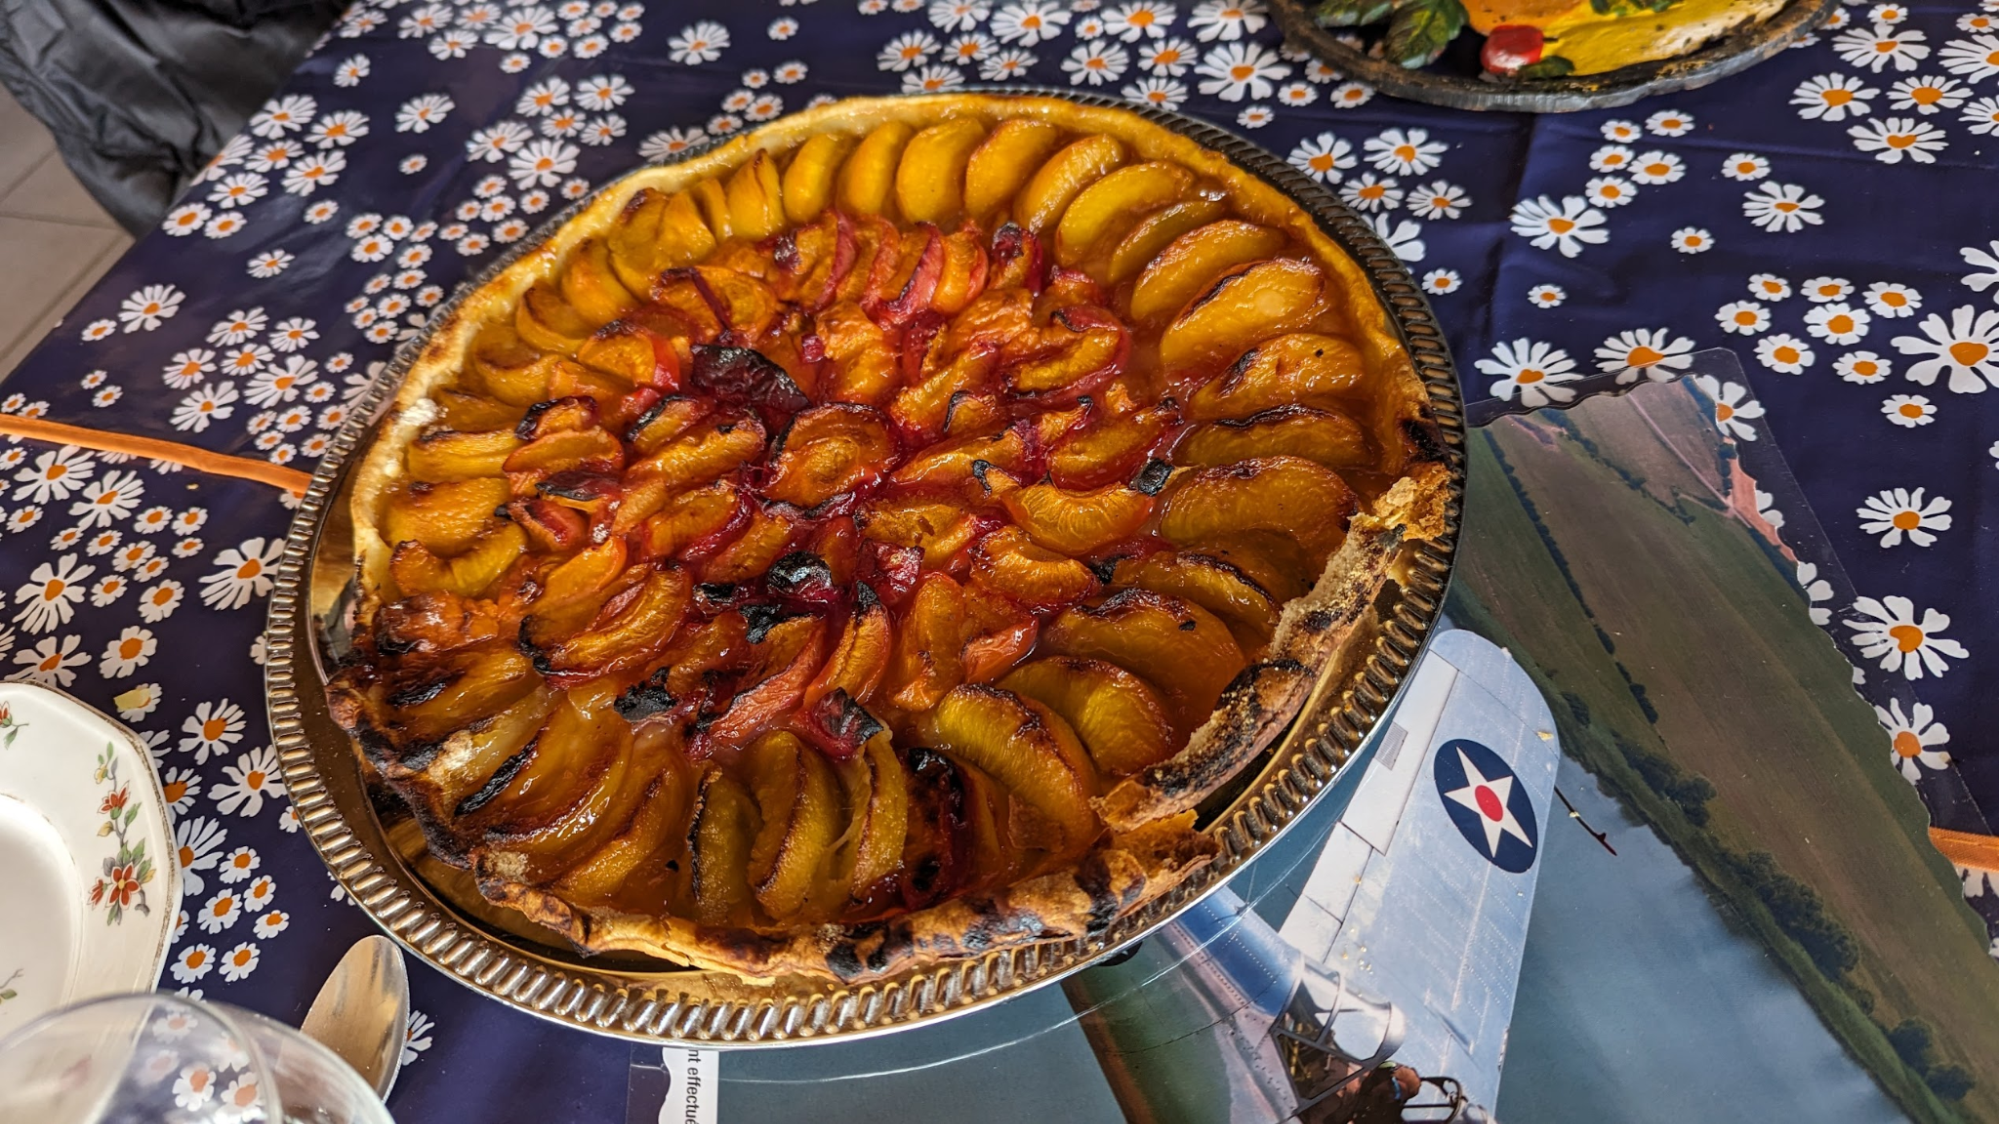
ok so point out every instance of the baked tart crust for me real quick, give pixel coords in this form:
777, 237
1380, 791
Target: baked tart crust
655, 734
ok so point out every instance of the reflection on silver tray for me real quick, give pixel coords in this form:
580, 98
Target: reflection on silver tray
1737, 51
375, 850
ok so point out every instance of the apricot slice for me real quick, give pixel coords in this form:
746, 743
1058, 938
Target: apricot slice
1120, 719
593, 449
1009, 563
713, 201
632, 636
930, 179
967, 460
765, 539
927, 662
881, 815
1010, 154
690, 517
1118, 199
1155, 232
591, 286
964, 273
1208, 582
938, 527
793, 651
1293, 369
864, 367
656, 232
1176, 646
1062, 177
665, 420
1026, 748
1300, 499
1192, 262
798, 799
1078, 523
756, 198
463, 412
599, 875
860, 657
997, 634
445, 455
445, 517
705, 452
1247, 304
1109, 449
582, 574
472, 755
868, 176
548, 322
456, 692
808, 180
829, 450
725, 825
1079, 349
1329, 437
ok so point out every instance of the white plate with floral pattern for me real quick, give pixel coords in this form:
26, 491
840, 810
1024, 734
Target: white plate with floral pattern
89, 889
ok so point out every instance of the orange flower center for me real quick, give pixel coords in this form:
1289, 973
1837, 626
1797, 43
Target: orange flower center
1900, 140
1723, 412
254, 779
1642, 356
1907, 520
53, 590
1908, 638
213, 728
130, 648
1893, 299
1841, 323
250, 568
1560, 225
1866, 367
1745, 317
1787, 206
1241, 73
1529, 375
1910, 410
1968, 352
1657, 169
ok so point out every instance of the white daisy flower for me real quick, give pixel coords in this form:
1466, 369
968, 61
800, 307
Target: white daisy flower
51, 662
240, 962
1438, 200
150, 306
1404, 152
190, 965
211, 729
1833, 97
1744, 318
1964, 348
1029, 22
1816, 590
418, 114
314, 172
127, 652
1974, 59
1618, 129
1782, 207
246, 784
932, 78
283, 115
1784, 352
1982, 116
50, 596
1657, 167
1349, 95
906, 50
1226, 19
1910, 738
1297, 94
1160, 93
1096, 62
1987, 263
1567, 226
1837, 323
108, 499
339, 129
1890, 629
1862, 367
270, 263
1325, 158
1645, 349
239, 190
1670, 123
1890, 139
1928, 94
1895, 512
1745, 166
195, 411
1255, 116
1237, 70
1609, 191
1880, 46
1145, 19
1533, 369
1440, 282
1733, 409
1692, 240
1006, 65
542, 163
1402, 236
1892, 300
1908, 411
1547, 296
54, 475
1368, 192
1168, 58
1611, 158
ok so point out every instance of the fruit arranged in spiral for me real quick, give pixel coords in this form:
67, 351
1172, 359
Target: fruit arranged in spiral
818, 541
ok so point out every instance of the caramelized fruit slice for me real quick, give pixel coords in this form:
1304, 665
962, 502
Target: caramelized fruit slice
1001, 164
1155, 232
630, 638
865, 369
1078, 523
792, 652
1292, 496
573, 779
1006, 562
940, 528
930, 180
756, 200
1026, 748
473, 754
718, 843
1326, 436
1247, 304
1049, 191
1110, 448
445, 455
830, 450
446, 518
430, 703
507, 367
927, 662
662, 807
1117, 200
548, 322
859, 658
997, 634
1178, 647
1296, 368
656, 232
798, 798
705, 452
713, 200
769, 533
1076, 353
467, 412
690, 517
808, 180
1208, 582
880, 800
868, 177
590, 284
1193, 261
1121, 720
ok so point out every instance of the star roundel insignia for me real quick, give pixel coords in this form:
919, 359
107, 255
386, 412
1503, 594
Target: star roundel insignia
1487, 804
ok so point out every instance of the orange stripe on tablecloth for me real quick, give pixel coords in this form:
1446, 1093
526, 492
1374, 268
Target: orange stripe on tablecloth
194, 457
1967, 849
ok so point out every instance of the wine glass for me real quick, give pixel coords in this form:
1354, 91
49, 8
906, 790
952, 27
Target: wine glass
167, 1058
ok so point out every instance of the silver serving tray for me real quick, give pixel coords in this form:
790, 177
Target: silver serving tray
374, 849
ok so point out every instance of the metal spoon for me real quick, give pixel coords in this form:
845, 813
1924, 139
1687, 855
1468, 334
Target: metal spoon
362, 1012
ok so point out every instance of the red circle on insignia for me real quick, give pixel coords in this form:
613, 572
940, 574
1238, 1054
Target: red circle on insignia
1488, 803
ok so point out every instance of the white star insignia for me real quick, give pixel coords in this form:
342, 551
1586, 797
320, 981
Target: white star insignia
1496, 792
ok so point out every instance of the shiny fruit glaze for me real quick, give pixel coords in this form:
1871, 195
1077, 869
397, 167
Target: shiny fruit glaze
819, 541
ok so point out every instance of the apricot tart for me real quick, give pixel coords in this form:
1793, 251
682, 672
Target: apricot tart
869, 542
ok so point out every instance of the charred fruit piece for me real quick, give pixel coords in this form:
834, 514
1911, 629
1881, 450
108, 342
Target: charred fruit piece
1326, 436
724, 829
1111, 448
1027, 749
1178, 647
1300, 499
1121, 721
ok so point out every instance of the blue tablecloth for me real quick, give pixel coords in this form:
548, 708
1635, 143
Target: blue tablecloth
1830, 214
